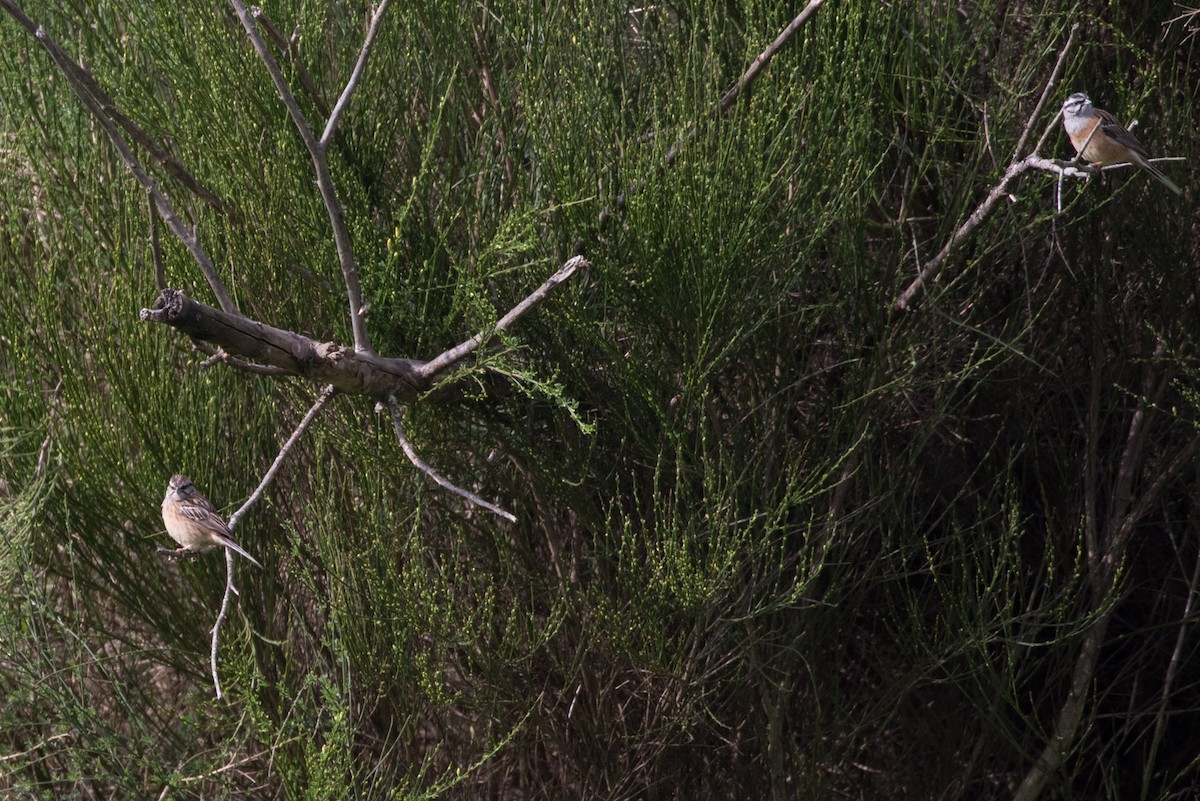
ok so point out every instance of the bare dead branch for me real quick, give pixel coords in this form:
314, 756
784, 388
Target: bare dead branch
930, 271
764, 58
355, 75
758, 65
1103, 560
435, 476
1115, 551
1173, 664
1069, 715
322, 400
934, 266
79, 85
288, 46
352, 372
431, 369
160, 274
51, 410
333, 206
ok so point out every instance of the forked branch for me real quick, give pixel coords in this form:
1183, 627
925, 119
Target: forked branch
316, 152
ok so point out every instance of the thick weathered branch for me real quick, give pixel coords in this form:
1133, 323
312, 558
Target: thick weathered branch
349, 371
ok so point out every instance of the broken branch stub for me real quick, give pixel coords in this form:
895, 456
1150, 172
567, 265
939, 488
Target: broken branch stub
355, 373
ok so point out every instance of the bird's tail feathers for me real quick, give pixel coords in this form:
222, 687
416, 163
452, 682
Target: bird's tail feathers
1164, 180
233, 546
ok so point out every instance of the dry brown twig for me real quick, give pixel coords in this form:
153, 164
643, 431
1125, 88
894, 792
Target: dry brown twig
721, 106
355, 74
316, 152
929, 272
83, 80
432, 369
235, 518
435, 476
73, 74
289, 46
758, 65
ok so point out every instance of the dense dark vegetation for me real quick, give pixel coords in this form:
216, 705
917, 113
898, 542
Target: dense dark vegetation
774, 539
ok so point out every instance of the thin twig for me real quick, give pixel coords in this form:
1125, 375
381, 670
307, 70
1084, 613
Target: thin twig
322, 399
1123, 516
1046, 90
765, 56
71, 72
758, 65
1015, 170
37, 747
721, 106
221, 356
168, 162
355, 75
1181, 638
230, 589
44, 451
456, 354
434, 475
333, 207
287, 46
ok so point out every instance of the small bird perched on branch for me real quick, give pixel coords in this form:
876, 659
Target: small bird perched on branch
195, 523
1111, 143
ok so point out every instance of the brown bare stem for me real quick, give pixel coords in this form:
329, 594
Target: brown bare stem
221, 356
230, 589
226, 599
432, 368
287, 46
758, 65
1051, 83
168, 162
355, 75
73, 75
1102, 569
316, 152
435, 476
160, 273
